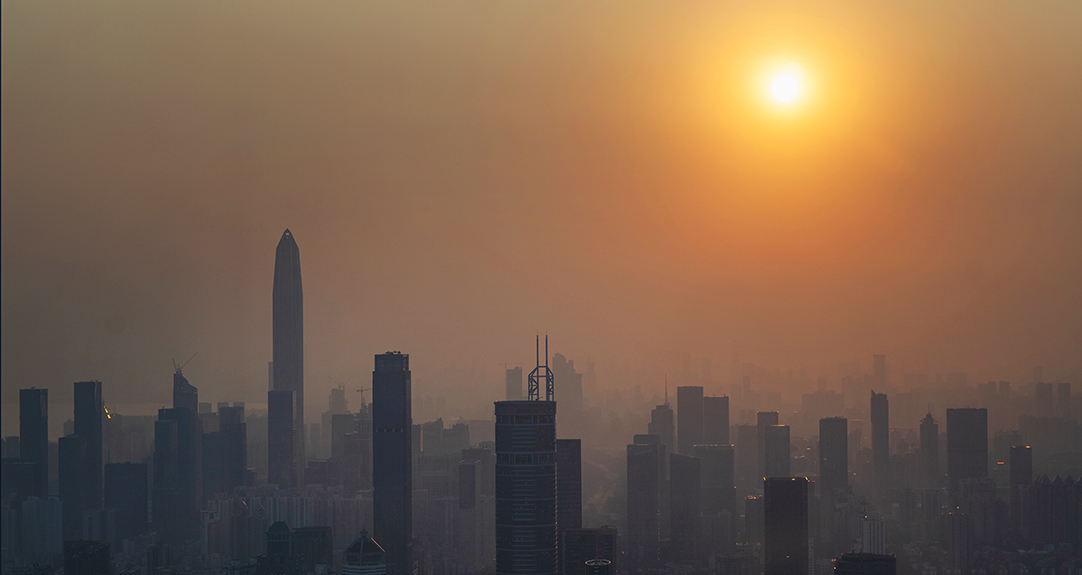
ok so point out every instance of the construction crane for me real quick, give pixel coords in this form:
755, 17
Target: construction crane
361, 391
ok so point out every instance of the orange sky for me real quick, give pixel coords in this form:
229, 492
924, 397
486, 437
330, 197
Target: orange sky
461, 176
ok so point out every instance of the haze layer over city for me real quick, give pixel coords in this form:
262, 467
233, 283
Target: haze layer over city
790, 204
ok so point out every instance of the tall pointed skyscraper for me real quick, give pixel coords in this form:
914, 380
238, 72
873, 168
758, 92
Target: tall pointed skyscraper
288, 325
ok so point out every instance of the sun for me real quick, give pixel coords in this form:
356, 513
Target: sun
786, 84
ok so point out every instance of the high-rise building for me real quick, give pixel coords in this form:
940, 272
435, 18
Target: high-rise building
879, 370
83, 557
281, 432
185, 394
880, 439
34, 436
577, 546
777, 451
72, 484
288, 346
685, 492
166, 494
513, 381
568, 484
833, 457
689, 422
568, 384
88, 425
763, 420
364, 557
126, 492
717, 470
873, 535
526, 487
785, 518
645, 460
929, 451
747, 467
662, 424
865, 564
716, 420
1021, 478
234, 446
392, 463
967, 445
187, 484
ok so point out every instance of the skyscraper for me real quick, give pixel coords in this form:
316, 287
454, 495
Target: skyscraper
71, 469
526, 487
967, 445
777, 451
880, 439
392, 463
833, 456
879, 370
685, 485
188, 481
644, 471
929, 451
288, 347
689, 414
126, 492
785, 518
281, 432
662, 424
1021, 479
568, 484
34, 436
88, 414
716, 420
234, 446
185, 394
763, 420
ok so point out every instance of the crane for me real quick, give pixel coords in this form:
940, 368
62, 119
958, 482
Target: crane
361, 391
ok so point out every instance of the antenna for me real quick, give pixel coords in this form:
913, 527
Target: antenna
540, 372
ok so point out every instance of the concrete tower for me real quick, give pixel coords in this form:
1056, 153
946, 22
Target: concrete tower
288, 325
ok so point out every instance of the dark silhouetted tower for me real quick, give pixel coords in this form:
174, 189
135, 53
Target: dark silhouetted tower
785, 519
234, 432
72, 485
929, 451
1021, 479
689, 412
967, 445
881, 439
777, 451
288, 346
281, 434
763, 420
185, 394
392, 463
88, 425
644, 473
568, 484
662, 424
685, 485
126, 492
34, 436
187, 484
833, 456
716, 420
1045, 400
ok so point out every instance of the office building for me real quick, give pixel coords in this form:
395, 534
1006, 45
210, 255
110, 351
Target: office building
288, 348
577, 546
1021, 473
685, 493
234, 433
785, 522
929, 452
88, 425
967, 445
833, 457
181, 474
392, 459
83, 557
763, 420
663, 425
716, 420
689, 422
34, 437
873, 535
185, 394
568, 484
281, 435
746, 452
645, 462
880, 439
777, 451
568, 384
364, 557
72, 485
126, 493
513, 382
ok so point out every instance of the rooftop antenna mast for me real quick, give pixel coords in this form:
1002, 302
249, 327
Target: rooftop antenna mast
540, 372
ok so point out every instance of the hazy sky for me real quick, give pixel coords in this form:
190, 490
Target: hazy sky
462, 175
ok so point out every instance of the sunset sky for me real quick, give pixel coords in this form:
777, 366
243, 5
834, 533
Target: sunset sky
460, 176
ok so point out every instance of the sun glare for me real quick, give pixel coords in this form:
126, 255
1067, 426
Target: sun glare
785, 86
